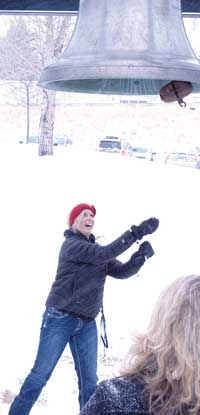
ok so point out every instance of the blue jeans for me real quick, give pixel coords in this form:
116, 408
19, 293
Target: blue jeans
59, 328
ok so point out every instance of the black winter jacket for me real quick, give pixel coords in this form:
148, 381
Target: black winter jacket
119, 396
82, 268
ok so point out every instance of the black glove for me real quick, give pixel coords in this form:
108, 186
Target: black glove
138, 259
146, 250
145, 228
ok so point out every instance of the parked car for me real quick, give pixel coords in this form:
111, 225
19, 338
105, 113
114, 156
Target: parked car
184, 158
33, 139
110, 144
144, 153
59, 141
56, 140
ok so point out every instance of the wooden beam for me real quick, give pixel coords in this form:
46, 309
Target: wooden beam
189, 7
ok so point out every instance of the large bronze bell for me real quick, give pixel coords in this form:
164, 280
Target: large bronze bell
128, 47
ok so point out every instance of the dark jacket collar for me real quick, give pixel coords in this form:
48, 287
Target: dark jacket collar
70, 232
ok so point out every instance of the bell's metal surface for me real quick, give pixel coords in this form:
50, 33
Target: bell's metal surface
133, 47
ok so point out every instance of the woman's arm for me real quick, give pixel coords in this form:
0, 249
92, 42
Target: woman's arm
121, 271
93, 253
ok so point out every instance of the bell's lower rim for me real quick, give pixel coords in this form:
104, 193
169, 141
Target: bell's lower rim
57, 73
112, 86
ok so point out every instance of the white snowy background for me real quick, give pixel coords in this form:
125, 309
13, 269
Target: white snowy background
36, 196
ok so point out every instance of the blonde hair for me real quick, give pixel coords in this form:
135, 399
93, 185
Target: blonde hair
167, 357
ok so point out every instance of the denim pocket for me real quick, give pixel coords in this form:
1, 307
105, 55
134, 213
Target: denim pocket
50, 313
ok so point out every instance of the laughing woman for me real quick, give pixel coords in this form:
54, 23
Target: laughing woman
75, 300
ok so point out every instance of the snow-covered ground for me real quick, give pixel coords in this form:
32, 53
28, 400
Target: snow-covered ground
36, 196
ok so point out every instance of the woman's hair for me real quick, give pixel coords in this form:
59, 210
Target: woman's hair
167, 357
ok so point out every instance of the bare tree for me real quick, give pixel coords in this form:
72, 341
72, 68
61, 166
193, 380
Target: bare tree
52, 33
19, 63
31, 43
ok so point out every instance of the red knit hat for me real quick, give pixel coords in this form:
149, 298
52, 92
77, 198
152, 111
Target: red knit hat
77, 210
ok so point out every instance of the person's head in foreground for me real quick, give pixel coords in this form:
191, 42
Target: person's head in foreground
161, 374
